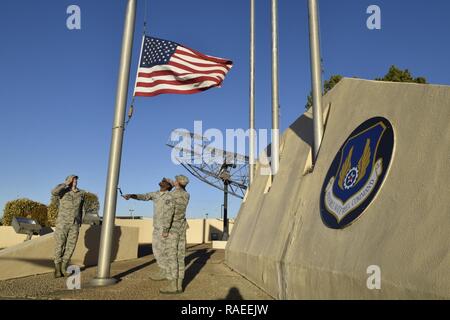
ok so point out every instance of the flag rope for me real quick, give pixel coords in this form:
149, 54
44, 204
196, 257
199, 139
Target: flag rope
131, 109
145, 17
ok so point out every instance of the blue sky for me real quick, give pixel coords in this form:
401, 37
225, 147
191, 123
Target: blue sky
57, 87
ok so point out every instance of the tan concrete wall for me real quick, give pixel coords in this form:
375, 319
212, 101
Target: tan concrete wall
280, 242
36, 256
195, 234
145, 227
199, 229
9, 238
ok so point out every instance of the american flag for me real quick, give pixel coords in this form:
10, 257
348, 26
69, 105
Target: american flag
168, 67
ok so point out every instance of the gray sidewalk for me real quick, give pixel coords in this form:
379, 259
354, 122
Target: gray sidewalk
207, 278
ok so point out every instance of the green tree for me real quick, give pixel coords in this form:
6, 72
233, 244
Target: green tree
25, 208
397, 75
52, 211
327, 86
92, 203
394, 75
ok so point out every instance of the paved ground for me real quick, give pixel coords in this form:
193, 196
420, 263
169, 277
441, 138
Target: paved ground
207, 278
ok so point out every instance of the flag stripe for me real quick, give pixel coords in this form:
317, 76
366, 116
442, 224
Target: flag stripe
204, 56
188, 69
180, 69
188, 54
196, 66
145, 76
183, 87
193, 58
198, 62
181, 79
177, 82
174, 91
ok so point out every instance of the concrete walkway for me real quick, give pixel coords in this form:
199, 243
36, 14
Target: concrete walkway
207, 278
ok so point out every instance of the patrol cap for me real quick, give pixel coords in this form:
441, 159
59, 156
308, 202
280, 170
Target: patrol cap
167, 180
69, 178
183, 180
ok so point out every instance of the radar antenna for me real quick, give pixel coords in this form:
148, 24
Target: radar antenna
226, 171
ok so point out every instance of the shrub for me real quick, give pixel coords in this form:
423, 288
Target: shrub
25, 208
52, 212
92, 203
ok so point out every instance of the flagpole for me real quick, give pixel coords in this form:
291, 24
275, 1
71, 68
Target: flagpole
104, 259
252, 93
275, 98
316, 75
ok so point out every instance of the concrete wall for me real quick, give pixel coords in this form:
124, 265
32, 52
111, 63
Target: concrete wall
9, 238
199, 229
36, 256
280, 242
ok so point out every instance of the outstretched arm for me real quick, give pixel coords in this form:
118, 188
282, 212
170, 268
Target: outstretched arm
143, 197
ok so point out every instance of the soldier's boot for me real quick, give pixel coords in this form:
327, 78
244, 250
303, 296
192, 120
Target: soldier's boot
58, 273
64, 269
171, 288
158, 275
180, 285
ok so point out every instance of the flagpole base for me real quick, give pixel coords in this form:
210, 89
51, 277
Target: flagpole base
103, 282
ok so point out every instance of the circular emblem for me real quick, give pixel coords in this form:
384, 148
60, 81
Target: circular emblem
350, 178
356, 173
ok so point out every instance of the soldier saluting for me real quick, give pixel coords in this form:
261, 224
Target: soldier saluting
70, 216
162, 203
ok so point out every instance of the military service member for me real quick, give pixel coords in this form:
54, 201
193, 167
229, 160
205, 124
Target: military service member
162, 202
174, 231
70, 215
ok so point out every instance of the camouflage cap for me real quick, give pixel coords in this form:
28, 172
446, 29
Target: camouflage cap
69, 178
168, 181
183, 180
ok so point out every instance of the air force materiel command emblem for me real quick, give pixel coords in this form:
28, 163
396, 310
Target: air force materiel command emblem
356, 173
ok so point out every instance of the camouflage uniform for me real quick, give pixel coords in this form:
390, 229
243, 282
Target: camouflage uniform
70, 215
162, 202
174, 223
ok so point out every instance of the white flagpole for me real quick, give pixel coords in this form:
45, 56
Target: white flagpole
316, 75
275, 98
104, 259
252, 93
